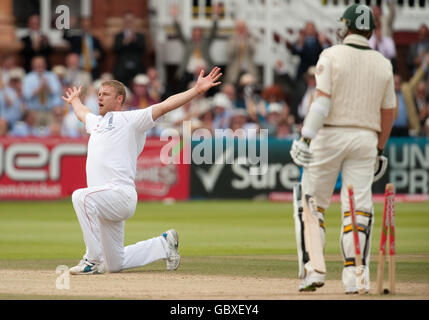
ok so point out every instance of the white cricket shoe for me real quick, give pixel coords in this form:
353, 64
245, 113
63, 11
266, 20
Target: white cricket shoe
172, 239
312, 280
350, 281
86, 267
354, 290
351, 290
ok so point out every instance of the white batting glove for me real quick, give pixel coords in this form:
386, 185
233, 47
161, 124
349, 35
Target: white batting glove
380, 166
300, 152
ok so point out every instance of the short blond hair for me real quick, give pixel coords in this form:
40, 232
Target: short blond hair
118, 86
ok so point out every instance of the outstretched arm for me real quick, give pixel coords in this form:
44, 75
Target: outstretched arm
72, 97
175, 101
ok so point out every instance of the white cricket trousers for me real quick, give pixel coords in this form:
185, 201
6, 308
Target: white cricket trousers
352, 151
102, 212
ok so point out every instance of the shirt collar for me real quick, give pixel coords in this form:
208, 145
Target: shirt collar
356, 40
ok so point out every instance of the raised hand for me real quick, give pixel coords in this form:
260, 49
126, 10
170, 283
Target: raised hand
71, 94
209, 81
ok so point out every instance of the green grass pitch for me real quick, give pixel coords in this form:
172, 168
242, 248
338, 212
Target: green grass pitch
248, 238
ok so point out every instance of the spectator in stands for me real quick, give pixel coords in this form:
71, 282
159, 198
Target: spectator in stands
90, 96
27, 126
8, 63
75, 75
141, 98
155, 89
308, 47
269, 95
41, 90
4, 128
189, 112
426, 128
130, 49
384, 44
35, 43
56, 127
206, 117
421, 98
408, 90
240, 54
222, 108
383, 21
105, 76
419, 49
10, 106
241, 125
87, 46
284, 130
55, 130
60, 71
309, 95
175, 118
16, 76
238, 120
71, 126
247, 95
229, 90
65, 124
272, 118
400, 125
427, 104
196, 50
287, 83
128, 99
201, 102
72, 35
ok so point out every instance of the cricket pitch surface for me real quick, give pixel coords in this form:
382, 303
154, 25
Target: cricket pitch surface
157, 285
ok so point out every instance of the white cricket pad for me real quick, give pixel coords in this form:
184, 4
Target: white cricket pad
313, 234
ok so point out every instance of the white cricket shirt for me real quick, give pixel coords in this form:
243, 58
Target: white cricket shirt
360, 82
115, 142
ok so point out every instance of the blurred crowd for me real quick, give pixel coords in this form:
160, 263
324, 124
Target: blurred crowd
30, 92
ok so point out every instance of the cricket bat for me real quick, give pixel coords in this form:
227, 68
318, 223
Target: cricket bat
312, 234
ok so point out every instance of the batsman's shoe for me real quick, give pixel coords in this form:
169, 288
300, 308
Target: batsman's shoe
312, 280
172, 239
354, 290
86, 267
351, 282
351, 290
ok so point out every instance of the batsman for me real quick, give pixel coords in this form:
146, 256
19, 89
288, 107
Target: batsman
345, 130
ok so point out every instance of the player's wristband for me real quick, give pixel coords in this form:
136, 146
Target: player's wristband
380, 151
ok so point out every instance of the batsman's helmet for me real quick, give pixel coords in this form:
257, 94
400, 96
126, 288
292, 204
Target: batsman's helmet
358, 17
